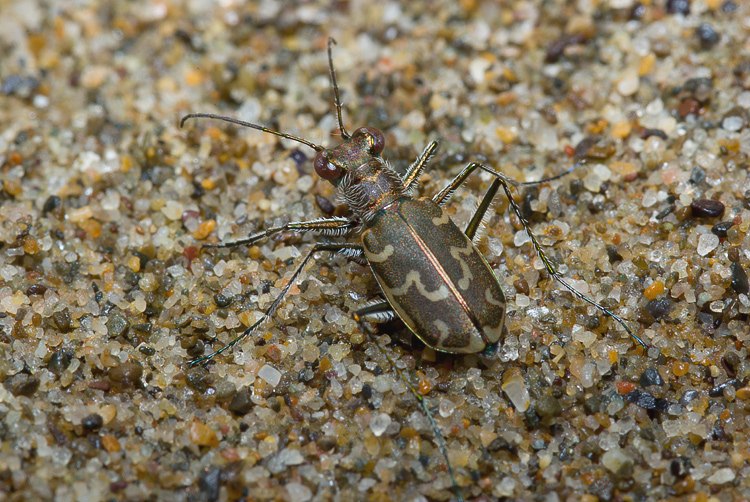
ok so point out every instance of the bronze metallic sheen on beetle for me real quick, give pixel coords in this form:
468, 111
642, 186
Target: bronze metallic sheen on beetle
432, 275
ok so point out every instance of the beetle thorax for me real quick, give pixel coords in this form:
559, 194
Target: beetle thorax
370, 187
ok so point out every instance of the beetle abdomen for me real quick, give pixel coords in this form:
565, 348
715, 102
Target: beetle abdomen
434, 277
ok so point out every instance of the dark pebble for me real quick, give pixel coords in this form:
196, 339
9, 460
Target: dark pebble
62, 320
648, 132
647, 433
92, 422
613, 254
707, 35
651, 377
306, 374
118, 486
706, 208
102, 385
739, 279
224, 390
697, 175
209, 482
593, 404
591, 450
147, 350
299, 158
197, 379
532, 417
666, 212
117, 325
143, 327
52, 203
36, 289
688, 106
647, 401
701, 88
732, 359
22, 384
522, 286
688, 396
59, 361
126, 374
720, 229
678, 7
718, 433
326, 443
548, 406
499, 443
19, 85
556, 48
241, 403
680, 467
718, 391
325, 205
659, 308
729, 7
222, 300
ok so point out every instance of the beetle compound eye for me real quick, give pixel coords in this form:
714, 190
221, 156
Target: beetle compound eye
376, 138
325, 169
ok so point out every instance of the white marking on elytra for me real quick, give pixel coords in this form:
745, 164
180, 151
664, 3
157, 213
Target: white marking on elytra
442, 219
465, 281
386, 253
491, 299
441, 328
414, 278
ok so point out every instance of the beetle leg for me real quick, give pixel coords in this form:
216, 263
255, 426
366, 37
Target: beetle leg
331, 227
412, 174
477, 220
334, 247
376, 311
354, 252
443, 195
440, 439
553, 272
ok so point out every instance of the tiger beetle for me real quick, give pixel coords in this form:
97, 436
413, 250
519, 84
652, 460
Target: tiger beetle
433, 277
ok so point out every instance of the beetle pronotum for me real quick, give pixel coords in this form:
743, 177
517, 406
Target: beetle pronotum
433, 277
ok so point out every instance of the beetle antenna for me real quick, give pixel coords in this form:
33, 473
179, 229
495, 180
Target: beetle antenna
312, 145
336, 98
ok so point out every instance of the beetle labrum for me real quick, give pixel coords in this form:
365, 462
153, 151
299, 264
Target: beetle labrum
433, 277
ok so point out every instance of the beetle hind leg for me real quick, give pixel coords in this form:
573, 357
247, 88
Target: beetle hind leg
377, 311
333, 247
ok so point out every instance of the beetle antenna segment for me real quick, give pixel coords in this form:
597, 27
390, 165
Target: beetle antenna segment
420, 398
336, 98
312, 145
553, 272
546, 180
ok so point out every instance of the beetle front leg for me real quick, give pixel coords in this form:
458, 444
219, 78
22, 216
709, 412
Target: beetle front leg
333, 247
412, 174
445, 194
330, 227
